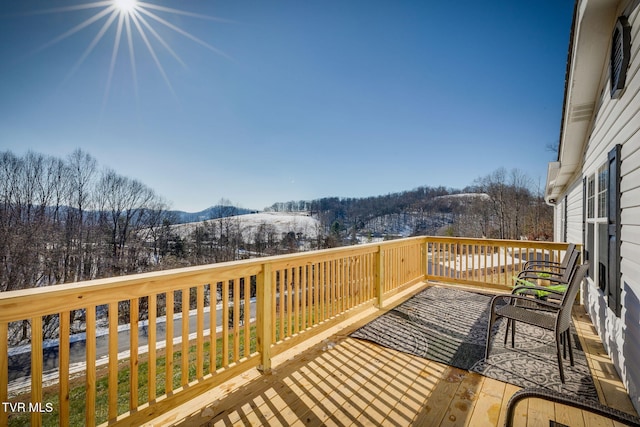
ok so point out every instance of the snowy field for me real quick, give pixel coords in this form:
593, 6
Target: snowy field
278, 223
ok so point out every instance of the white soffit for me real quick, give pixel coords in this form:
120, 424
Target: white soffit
589, 54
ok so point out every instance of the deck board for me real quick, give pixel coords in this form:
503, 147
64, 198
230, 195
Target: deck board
343, 381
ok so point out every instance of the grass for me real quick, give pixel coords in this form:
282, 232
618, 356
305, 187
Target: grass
77, 394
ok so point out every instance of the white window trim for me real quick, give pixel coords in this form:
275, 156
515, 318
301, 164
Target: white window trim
600, 219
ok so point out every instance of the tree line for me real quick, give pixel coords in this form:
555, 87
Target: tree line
502, 205
65, 220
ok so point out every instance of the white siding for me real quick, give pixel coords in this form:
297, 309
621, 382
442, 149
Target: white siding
574, 213
617, 122
558, 214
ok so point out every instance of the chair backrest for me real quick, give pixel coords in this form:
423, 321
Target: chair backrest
572, 260
563, 319
567, 255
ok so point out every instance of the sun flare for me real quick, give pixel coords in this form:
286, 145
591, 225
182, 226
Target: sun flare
135, 23
125, 6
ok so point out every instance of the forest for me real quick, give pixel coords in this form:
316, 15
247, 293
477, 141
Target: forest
66, 219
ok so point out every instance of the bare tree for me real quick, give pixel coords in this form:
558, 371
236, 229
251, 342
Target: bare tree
123, 203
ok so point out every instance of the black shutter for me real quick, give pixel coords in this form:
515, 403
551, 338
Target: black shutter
613, 214
585, 247
620, 54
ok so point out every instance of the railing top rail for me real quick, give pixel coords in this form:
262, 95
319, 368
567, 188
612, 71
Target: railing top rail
245, 267
500, 242
69, 296
45, 300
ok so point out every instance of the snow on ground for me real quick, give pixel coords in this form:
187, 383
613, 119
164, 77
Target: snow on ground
279, 223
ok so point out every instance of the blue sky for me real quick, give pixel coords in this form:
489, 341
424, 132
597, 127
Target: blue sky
290, 100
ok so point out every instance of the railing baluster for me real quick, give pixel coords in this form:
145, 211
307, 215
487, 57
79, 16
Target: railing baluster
4, 371
247, 316
282, 300
322, 286
113, 361
304, 283
225, 323
340, 285
151, 340
213, 334
472, 249
330, 288
133, 353
36, 368
345, 280
296, 302
184, 352
358, 278
200, 331
348, 283
488, 261
380, 276
504, 265
91, 365
168, 363
273, 297
63, 369
236, 319
289, 282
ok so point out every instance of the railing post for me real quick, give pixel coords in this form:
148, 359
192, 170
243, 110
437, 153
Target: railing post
264, 317
425, 258
380, 276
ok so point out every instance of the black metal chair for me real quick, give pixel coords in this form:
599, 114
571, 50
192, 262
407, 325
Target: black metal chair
536, 264
558, 275
573, 401
544, 314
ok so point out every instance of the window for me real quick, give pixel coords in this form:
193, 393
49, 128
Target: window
602, 190
602, 228
591, 191
590, 207
603, 237
620, 54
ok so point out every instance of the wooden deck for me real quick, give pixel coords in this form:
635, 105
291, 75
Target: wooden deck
343, 381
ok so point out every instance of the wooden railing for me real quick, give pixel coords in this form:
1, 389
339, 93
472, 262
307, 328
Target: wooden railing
484, 262
138, 358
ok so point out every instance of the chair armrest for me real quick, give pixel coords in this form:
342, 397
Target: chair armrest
537, 288
511, 298
538, 291
573, 401
541, 263
536, 274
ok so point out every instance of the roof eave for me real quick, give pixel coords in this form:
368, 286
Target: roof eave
589, 45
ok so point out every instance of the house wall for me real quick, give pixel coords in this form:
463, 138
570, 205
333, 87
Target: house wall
558, 224
616, 121
573, 205
574, 212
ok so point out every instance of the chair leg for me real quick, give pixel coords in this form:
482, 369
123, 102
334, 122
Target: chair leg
506, 334
559, 357
492, 319
570, 346
513, 333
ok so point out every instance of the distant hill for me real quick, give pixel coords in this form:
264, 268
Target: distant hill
213, 212
251, 224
